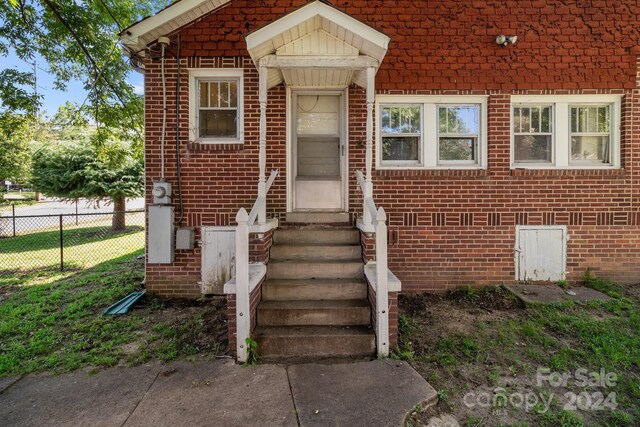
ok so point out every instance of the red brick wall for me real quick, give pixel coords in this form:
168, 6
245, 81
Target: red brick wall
453, 227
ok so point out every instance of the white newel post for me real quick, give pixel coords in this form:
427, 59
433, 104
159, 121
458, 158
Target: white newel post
368, 191
382, 289
262, 189
243, 312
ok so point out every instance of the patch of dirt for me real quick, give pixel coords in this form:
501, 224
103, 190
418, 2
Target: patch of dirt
493, 376
632, 291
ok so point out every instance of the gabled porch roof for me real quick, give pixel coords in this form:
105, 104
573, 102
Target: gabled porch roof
317, 46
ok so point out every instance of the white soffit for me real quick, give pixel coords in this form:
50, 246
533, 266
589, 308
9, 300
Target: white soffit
168, 20
314, 30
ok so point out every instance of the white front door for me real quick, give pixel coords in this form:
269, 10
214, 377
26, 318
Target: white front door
318, 148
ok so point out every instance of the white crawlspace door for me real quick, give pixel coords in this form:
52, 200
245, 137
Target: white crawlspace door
318, 151
218, 258
541, 253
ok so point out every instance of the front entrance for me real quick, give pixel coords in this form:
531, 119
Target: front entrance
318, 151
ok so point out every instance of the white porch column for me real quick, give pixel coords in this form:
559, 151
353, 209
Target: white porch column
262, 189
368, 191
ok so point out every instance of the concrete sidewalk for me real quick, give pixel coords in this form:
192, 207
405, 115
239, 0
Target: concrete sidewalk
219, 393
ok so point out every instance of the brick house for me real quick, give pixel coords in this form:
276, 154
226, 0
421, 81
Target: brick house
496, 159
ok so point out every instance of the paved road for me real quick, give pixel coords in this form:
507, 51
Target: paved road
54, 207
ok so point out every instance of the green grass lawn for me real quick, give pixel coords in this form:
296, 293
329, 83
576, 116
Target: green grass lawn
54, 321
31, 255
485, 343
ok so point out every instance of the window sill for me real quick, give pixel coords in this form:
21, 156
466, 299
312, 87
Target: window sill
548, 171
210, 146
434, 172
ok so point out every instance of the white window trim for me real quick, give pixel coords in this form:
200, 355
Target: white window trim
561, 157
430, 127
199, 73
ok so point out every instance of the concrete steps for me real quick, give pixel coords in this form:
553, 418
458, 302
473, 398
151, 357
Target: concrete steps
318, 218
315, 269
316, 252
317, 236
318, 289
314, 312
314, 341
314, 302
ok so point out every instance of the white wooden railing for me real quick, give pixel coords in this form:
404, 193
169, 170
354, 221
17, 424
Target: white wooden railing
243, 290
378, 225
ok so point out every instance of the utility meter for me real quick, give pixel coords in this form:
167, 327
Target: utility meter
161, 193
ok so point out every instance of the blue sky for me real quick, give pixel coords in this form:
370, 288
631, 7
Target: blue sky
52, 98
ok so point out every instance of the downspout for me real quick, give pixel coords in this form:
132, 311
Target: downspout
181, 217
164, 41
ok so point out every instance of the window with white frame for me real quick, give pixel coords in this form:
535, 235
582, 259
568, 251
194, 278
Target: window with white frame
416, 132
532, 133
590, 134
566, 131
459, 134
216, 103
401, 133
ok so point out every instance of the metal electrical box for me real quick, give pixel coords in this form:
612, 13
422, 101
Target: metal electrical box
185, 238
161, 245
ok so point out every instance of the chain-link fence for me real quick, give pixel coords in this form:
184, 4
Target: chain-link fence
38, 243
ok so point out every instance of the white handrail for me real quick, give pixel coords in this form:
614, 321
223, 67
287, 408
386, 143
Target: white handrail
243, 304
261, 200
378, 219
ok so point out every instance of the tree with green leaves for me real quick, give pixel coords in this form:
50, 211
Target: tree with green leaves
83, 169
78, 40
19, 136
15, 154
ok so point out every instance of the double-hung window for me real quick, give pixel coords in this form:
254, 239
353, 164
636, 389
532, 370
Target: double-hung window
532, 133
216, 114
429, 132
565, 131
401, 134
590, 134
459, 134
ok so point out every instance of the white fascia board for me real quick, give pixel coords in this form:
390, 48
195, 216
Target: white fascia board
309, 11
131, 35
578, 98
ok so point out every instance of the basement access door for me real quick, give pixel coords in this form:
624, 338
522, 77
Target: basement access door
541, 253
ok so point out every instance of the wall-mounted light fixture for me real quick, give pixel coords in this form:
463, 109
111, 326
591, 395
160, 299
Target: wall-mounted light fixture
503, 40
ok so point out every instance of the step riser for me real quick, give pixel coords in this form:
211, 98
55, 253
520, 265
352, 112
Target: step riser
316, 252
314, 236
310, 291
317, 346
308, 317
301, 270
318, 218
